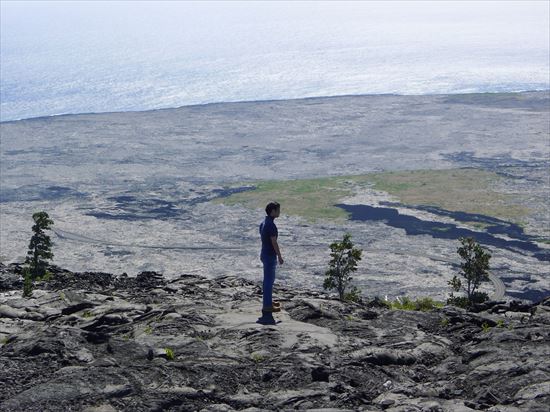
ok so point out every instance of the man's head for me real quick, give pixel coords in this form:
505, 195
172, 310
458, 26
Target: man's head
273, 209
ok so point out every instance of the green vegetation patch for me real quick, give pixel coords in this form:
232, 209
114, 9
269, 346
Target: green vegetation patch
310, 198
461, 190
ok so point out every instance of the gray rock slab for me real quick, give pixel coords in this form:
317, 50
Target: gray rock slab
319, 354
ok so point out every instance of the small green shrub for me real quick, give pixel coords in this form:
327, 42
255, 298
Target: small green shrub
169, 354
500, 323
27, 282
148, 330
463, 302
444, 322
485, 327
354, 295
480, 297
421, 304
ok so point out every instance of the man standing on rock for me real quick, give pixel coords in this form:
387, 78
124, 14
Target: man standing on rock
269, 254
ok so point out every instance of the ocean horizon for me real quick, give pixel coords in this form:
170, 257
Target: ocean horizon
74, 58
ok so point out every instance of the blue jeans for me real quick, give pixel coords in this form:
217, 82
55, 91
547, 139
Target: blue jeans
270, 263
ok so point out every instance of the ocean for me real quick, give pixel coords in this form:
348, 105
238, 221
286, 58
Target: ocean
81, 57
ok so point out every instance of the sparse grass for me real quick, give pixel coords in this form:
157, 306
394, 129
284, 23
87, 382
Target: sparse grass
500, 323
87, 314
444, 322
485, 327
256, 357
465, 190
421, 304
148, 330
169, 354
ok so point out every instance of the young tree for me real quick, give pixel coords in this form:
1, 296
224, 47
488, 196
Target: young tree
39, 247
344, 258
474, 269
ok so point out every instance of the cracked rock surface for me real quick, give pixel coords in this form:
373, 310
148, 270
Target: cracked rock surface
99, 342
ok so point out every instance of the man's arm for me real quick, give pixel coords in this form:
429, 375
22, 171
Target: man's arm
276, 247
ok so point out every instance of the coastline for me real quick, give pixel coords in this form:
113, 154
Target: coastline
260, 101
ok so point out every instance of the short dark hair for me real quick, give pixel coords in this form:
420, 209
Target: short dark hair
272, 206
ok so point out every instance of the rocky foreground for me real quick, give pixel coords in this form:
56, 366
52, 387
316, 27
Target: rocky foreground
99, 342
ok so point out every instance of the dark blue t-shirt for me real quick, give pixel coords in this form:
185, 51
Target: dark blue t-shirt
268, 229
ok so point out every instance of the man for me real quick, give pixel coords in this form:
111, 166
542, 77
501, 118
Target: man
269, 255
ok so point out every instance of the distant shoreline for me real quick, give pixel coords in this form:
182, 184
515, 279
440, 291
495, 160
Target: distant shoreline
271, 100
